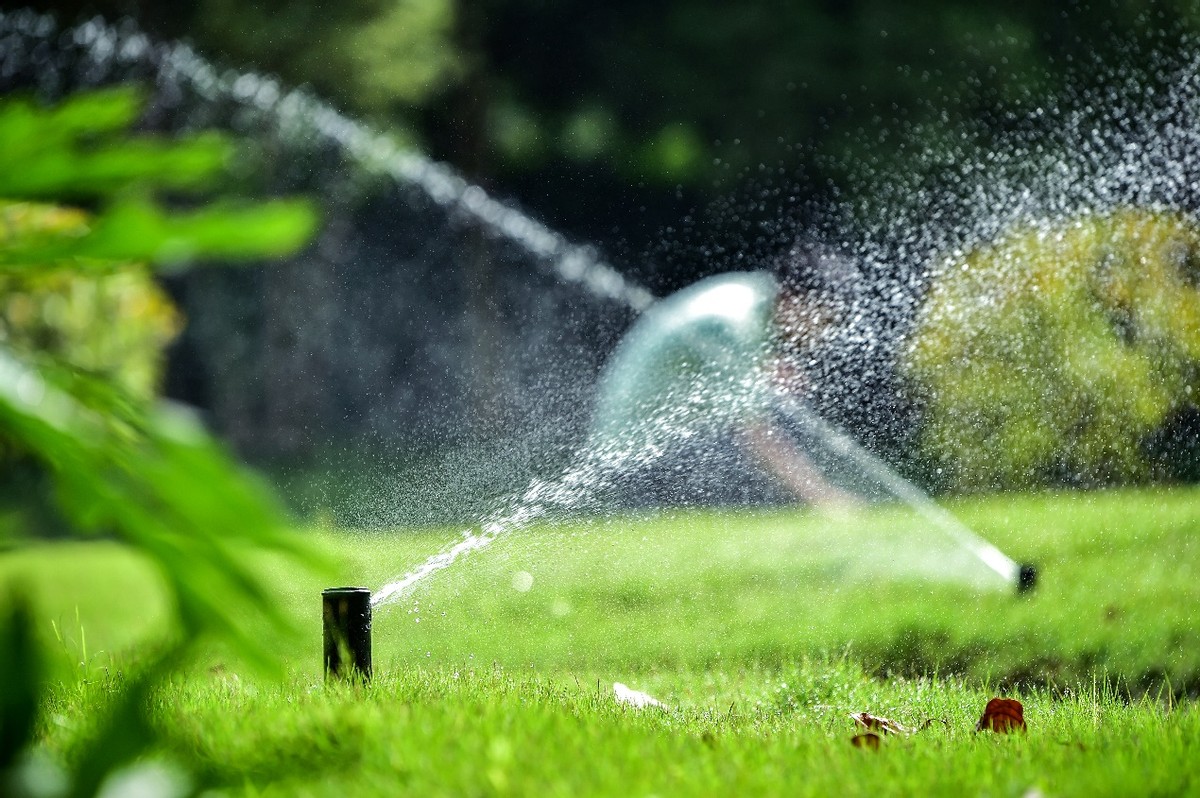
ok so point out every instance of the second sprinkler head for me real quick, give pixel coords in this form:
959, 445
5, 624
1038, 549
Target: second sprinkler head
1027, 578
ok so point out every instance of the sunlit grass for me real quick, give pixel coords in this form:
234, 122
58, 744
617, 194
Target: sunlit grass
785, 730
762, 632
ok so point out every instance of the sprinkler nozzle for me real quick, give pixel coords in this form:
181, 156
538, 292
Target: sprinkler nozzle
347, 625
1027, 578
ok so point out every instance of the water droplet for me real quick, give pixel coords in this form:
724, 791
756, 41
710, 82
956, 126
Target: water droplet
522, 581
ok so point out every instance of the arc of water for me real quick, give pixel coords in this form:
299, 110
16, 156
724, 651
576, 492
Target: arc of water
297, 109
572, 489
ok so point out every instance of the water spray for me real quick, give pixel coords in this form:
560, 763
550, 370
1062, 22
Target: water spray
837, 454
346, 613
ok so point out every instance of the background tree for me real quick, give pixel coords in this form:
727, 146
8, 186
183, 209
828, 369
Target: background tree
644, 126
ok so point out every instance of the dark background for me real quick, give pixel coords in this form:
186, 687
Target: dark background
681, 139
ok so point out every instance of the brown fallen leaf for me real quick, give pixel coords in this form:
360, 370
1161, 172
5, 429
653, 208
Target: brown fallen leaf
872, 723
1002, 715
868, 740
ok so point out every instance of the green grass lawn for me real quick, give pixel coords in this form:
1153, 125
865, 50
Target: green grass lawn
762, 632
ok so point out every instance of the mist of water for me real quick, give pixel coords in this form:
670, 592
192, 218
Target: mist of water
588, 485
1132, 140
543, 498
929, 541
1098, 153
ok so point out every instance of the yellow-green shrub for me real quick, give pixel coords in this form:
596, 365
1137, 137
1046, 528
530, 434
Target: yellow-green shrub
1052, 354
112, 323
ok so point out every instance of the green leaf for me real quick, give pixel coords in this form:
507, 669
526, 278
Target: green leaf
82, 150
137, 230
66, 173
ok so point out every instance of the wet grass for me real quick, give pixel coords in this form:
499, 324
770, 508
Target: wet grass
737, 731
762, 631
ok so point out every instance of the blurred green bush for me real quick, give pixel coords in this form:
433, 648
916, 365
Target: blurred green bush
1058, 353
70, 314
82, 327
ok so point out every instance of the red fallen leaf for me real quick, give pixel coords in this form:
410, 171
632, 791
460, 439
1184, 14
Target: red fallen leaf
1002, 715
872, 723
867, 740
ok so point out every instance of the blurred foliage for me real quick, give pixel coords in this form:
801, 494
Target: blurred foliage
380, 55
76, 150
1057, 354
82, 326
65, 314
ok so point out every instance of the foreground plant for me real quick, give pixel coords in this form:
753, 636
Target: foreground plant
82, 327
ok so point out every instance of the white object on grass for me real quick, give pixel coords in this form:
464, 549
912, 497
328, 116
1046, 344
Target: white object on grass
635, 698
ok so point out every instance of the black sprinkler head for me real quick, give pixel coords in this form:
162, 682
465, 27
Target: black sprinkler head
347, 621
1027, 578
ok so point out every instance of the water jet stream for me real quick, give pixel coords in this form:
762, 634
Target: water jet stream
572, 263
844, 460
588, 475
299, 112
838, 457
